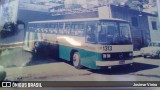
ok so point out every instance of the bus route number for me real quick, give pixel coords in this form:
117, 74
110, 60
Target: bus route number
107, 48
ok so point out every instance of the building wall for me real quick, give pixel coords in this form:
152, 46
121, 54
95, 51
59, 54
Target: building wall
140, 33
155, 34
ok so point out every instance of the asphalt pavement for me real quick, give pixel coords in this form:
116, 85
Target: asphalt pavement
22, 66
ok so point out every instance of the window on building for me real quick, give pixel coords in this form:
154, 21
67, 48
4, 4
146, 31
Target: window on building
154, 25
134, 21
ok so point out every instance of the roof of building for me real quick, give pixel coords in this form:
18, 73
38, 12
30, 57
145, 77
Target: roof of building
81, 19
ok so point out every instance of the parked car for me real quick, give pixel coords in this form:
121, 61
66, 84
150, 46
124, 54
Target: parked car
9, 29
153, 50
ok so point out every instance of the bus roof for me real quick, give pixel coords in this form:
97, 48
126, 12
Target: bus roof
83, 19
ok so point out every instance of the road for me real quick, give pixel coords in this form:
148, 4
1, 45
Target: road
22, 66
19, 37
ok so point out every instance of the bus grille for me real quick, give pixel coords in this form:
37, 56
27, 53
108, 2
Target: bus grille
118, 56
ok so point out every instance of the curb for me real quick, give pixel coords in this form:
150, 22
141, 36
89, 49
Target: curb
11, 45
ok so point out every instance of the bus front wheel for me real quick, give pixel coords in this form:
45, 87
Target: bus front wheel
76, 60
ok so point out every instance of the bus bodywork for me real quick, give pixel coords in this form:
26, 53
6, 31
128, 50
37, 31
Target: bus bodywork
92, 42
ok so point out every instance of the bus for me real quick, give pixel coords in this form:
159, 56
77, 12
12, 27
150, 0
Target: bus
88, 42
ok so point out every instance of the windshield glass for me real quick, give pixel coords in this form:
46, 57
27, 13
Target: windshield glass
113, 33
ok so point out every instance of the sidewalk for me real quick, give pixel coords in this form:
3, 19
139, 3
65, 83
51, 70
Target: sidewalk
11, 45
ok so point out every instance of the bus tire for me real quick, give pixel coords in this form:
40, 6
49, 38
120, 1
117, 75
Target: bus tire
35, 51
76, 60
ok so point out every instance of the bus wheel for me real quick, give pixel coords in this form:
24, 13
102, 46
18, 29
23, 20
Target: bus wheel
76, 60
35, 51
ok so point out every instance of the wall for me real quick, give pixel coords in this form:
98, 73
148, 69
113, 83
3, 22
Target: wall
140, 33
155, 34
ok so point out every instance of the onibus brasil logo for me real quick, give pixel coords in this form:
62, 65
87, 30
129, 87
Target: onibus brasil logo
20, 85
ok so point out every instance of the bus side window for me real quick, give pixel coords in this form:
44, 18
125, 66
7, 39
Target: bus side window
61, 28
76, 29
30, 28
91, 34
81, 29
42, 28
46, 25
50, 28
67, 28
38, 27
34, 27
72, 31
56, 28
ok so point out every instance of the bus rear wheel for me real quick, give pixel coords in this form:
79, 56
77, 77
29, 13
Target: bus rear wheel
76, 60
35, 51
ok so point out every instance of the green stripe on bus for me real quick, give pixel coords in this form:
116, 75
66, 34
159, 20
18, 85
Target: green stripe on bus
88, 58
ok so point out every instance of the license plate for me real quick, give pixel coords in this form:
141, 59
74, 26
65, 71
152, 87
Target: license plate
122, 62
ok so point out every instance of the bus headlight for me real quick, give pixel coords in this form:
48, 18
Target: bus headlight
106, 56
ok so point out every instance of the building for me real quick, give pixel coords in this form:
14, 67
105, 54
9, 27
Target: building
26, 10
154, 27
139, 22
143, 24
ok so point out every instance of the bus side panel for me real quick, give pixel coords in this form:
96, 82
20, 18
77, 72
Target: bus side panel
64, 52
89, 58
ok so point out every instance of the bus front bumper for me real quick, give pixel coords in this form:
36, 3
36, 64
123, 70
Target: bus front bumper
113, 63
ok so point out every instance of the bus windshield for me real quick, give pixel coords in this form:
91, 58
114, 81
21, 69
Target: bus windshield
113, 33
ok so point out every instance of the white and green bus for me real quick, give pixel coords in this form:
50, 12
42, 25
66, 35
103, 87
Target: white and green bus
89, 42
